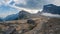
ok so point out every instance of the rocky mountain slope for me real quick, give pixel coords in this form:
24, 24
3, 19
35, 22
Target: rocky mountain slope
51, 9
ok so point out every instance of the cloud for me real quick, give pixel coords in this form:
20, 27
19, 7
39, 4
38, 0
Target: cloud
0, 3
28, 10
7, 10
20, 1
33, 4
51, 15
56, 2
3, 15
37, 4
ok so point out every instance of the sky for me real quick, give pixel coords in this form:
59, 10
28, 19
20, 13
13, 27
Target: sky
8, 7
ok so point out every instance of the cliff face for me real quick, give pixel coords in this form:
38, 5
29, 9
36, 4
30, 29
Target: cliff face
23, 14
51, 9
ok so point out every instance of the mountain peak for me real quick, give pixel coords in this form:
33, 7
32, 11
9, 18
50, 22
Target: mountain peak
23, 12
51, 9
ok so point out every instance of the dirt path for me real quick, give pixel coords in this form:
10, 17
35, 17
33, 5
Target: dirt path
37, 29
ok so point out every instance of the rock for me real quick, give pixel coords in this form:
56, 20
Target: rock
52, 26
30, 21
51, 9
23, 14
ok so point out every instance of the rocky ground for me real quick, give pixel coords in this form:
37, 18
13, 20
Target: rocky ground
40, 25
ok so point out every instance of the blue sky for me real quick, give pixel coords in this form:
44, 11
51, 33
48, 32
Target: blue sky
6, 10
8, 7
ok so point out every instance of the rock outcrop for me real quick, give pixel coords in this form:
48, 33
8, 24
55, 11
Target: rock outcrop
23, 14
51, 9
